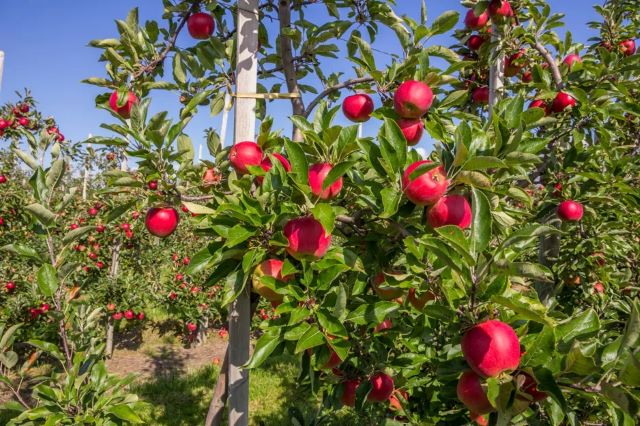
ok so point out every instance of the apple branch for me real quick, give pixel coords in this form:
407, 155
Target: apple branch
555, 71
329, 90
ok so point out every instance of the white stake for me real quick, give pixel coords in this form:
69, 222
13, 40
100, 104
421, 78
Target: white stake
496, 74
359, 130
200, 152
225, 119
1, 67
85, 181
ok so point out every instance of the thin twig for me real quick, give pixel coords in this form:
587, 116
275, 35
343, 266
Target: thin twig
329, 90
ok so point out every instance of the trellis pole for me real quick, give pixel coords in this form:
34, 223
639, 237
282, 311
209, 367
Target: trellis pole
1, 67
496, 72
244, 129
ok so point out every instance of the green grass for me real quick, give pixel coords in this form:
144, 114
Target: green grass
183, 400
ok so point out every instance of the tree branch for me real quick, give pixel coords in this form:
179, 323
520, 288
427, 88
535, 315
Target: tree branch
329, 90
555, 71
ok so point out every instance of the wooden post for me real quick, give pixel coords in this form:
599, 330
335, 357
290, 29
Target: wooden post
244, 129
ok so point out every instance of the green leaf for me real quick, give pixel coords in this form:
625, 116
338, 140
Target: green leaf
336, 172
481, 221
77, 233
525, 307
22, 250
585, 323
325, 214
391, 198
47, 280
178, 70
55, 173
299, 164
198, 208
41, 213
372, 314
632, 329
444, 22
483, 163
124, 412
514, 111
397, 140
311, 338
331, 324
265, 346
26, 158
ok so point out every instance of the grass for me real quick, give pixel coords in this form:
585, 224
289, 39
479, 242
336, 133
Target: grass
183, 400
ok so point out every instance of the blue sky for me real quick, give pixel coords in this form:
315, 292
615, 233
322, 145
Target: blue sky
45, 45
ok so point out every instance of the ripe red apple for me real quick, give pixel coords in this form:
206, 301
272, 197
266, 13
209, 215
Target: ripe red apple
44, 308
419, 302
349, 388
570, 211
123, 111
475, 42
179, 277
173, 295
307, 238
513, 64
450, 210
384, 325
563, 101
140, 316
358, 107
245, 154
527, 77
530, 386
24, 108
117, 316
383, 289
471, 393
381, 387
161, 221
3, 179
111, 307
186, 260
200, 25
317, 175
476, 22
490, 348
126, 226
539, 103
153, 185
270, 268
412, 129
599, 258
628, 47
266, 165
34, 313
427, 188
10, 286
73, 226
412, 99
128, 314
93, 256
570, 59
479, 419
333, 361
23, 121
500, 9
480, 95
4, 124
191, 327
394, 401
92, 211
211, 177
598, 287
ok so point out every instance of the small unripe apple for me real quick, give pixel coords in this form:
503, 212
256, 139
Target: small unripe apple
427, 188
491, 348
381, 387
569, 60
475, 42
267, 165
123, 111
349, 388
628, 47
450, 210
358, 107
200, 25
563, 101
153, 185
476, 22
307, 238
480, 95
471, 393
269, 268
244, 154
570, 211
317, 175
412, 99
161, 221
412, 129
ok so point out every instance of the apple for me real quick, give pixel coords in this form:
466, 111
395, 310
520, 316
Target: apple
394, 401
179, 277
569, 60
427, 188
153, 185
412, 129
111, 307
317, 174
384, 325
73, 226
128, 314
598, 287
161, 221
383, 289
186, 260
419, 302
480, 95
4, 124
307, 238
491, 348
34, 312
333, 361
500, 9
381, 387
349, 388
527, 77
92, 211
111, 156
117, 316
10, 286
128, 234
24, 108
471, 393
450, 210
140, 316
173, 295
191, 327
573, 281
269, 268
563, 101
476, 22
93, 256
266, 165
23, 121
412, 99
530, 387
211, 177
628, 47
539, 103
358, 107
44, 308
599, 258
244, 154
184, 208
570, 211
513, 64
126, 226
3, 179
123, 110
200, 25
1, 221
475, 42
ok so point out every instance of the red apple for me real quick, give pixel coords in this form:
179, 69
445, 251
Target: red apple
349, 388
24, 108
73, 226
10, 286
384, 325
92, 211
161, 221
200, 25
628, 47
126, 226
269, 268
513, 64
123, 110
419, 302
244, 154
333, 361
471, 393
480, 95
4, 124
412, 129
307, 238
140, 316
563, 101
427, 188
491, 348
153, 185
358, 107
412, 99
23, 121
527, 77
266, 165
383, 289
211, 177
128, 314
475, 42
539, 103
317, 175
569, 60
476, 22
3, 179
529, 386
186, 260
111, 307
500, 9
570, 211
381, 387
44, 308
191, 327
450, 210
117, 316
394, 401
598, 287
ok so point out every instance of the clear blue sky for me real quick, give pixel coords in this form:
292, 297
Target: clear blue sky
45, 45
